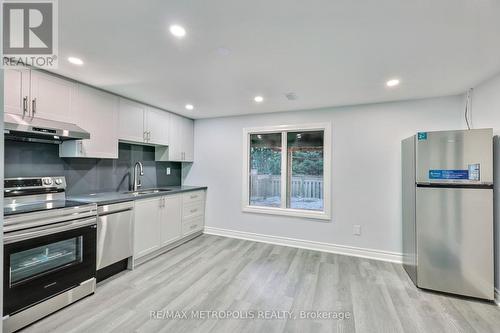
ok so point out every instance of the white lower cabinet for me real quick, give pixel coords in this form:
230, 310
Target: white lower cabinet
147, 214
193, 212
171, 219
164, 220
192, 225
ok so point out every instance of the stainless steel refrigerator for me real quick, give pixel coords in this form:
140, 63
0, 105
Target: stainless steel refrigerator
448, 211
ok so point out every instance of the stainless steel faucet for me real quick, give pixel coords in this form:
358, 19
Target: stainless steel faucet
137, 180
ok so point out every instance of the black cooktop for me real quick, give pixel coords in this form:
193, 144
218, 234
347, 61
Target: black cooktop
23, 208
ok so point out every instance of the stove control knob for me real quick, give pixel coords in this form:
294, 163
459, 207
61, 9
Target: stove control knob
58, 181
47, 181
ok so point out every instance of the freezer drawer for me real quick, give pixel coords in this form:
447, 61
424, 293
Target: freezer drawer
455, 156
455, 240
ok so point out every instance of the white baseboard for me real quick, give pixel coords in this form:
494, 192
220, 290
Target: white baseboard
309, 245
497, 296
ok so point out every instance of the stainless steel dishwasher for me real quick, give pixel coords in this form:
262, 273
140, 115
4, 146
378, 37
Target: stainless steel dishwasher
114, 238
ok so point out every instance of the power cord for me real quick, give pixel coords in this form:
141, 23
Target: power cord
468, 101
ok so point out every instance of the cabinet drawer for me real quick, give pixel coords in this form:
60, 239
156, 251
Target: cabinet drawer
193, 209
193, 196
192, 225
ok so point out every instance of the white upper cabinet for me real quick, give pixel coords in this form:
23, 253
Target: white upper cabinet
96, 112
175, 141
51, 97
32, 93
107, 117
143, 124
181, 140
156, 123
16, 91
188, 140
131, 121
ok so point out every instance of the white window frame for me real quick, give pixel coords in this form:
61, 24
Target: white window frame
282, 210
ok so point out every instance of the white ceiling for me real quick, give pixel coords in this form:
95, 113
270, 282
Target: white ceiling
328, 52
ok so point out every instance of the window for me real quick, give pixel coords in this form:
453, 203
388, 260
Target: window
287, 170
265, 169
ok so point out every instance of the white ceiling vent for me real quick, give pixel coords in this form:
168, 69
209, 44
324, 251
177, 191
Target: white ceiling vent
291, 96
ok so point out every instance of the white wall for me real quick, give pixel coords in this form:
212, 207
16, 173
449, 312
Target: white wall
366, 173
486, 105
486, 113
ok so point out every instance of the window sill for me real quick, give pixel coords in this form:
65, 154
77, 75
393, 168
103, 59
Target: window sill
288, 212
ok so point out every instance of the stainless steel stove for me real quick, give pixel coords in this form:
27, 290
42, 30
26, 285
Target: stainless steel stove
49, 249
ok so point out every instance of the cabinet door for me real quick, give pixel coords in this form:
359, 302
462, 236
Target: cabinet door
131, 120
97, 112
157, 125
16, 91
175, 151
51, 97
171, 220
188, 140
147, 214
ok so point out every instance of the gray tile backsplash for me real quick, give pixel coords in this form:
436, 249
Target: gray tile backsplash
87, 175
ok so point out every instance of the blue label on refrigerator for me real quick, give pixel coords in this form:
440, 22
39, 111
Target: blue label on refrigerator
449, 174
422, 136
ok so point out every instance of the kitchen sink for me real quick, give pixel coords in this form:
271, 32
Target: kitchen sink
148, 191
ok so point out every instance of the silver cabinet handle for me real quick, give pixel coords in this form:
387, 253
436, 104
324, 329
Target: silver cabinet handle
149, 136
33, 108
193, 226
193, 210
81, 147
145, 136
25, 105
194, 196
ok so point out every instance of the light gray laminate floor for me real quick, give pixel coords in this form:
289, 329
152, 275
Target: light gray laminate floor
217, 273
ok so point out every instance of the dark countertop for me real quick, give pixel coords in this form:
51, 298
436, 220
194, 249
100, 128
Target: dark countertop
106, 198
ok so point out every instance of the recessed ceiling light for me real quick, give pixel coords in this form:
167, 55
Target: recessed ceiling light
392, 82
177, 31
75, 61
258, 99
189, 106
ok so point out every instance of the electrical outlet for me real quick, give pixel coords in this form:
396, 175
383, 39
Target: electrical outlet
356, 230
168, 171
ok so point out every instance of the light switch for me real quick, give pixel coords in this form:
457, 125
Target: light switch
168, 171
356, 230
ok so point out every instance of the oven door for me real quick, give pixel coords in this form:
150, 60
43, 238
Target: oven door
42, 262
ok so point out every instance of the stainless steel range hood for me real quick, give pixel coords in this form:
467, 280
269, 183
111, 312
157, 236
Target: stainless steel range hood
41, 130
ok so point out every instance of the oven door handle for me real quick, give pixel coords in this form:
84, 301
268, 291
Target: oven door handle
17, 236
